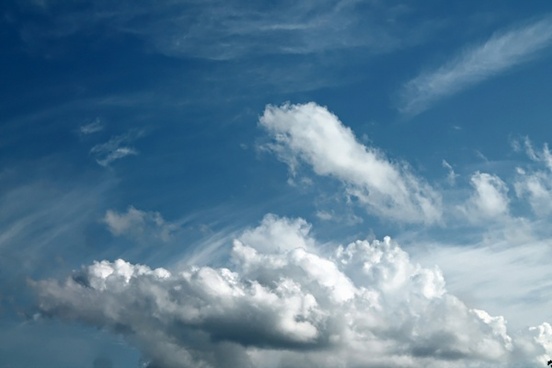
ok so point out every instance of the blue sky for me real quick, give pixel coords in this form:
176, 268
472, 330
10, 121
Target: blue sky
307, 184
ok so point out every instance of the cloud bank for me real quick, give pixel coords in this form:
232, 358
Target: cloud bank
311, 134
476, 64
282, 303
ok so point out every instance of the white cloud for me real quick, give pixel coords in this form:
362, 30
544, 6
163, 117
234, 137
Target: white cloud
138, 224
114, 149
544, 156
451, 177
311, 134
476, 64
537, 189
489, 199
367, 304
534, 185
92, 127
505, 270
324, 215
278, 235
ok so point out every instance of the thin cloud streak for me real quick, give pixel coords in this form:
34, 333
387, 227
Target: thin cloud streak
115, 148
501, 52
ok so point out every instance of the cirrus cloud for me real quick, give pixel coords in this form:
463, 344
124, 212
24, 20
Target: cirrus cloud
475, 64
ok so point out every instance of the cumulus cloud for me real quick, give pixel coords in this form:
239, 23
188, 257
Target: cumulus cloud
489, 199
116, 148
505, 270
136, 224
280, 305
311, 134
501, 52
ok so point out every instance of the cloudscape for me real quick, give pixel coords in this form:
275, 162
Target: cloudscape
188, 184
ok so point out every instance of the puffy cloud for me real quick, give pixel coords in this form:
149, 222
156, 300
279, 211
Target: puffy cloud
136, 223
311, 134
490, 197
276, 305
275, 235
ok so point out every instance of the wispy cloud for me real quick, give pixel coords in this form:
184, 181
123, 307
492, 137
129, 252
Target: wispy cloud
489, 200
501, 52
451, 176
114, 149
534, 184
93, 127
223, 30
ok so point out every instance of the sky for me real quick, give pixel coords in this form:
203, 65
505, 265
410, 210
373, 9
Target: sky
275, 184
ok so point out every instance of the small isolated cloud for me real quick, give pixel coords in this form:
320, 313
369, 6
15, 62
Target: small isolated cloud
364, 305
489, 199
93, 127
138, 224
324, 215
116, 148
475, 64
311, 134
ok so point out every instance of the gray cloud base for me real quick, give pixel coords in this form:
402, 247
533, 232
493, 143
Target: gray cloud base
278, 305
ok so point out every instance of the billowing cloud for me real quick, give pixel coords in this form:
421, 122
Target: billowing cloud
501, 52
276, 305
311, 134
136, 224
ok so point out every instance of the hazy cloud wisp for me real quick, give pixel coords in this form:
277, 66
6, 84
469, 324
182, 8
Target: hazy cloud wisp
475, 64
116, 148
